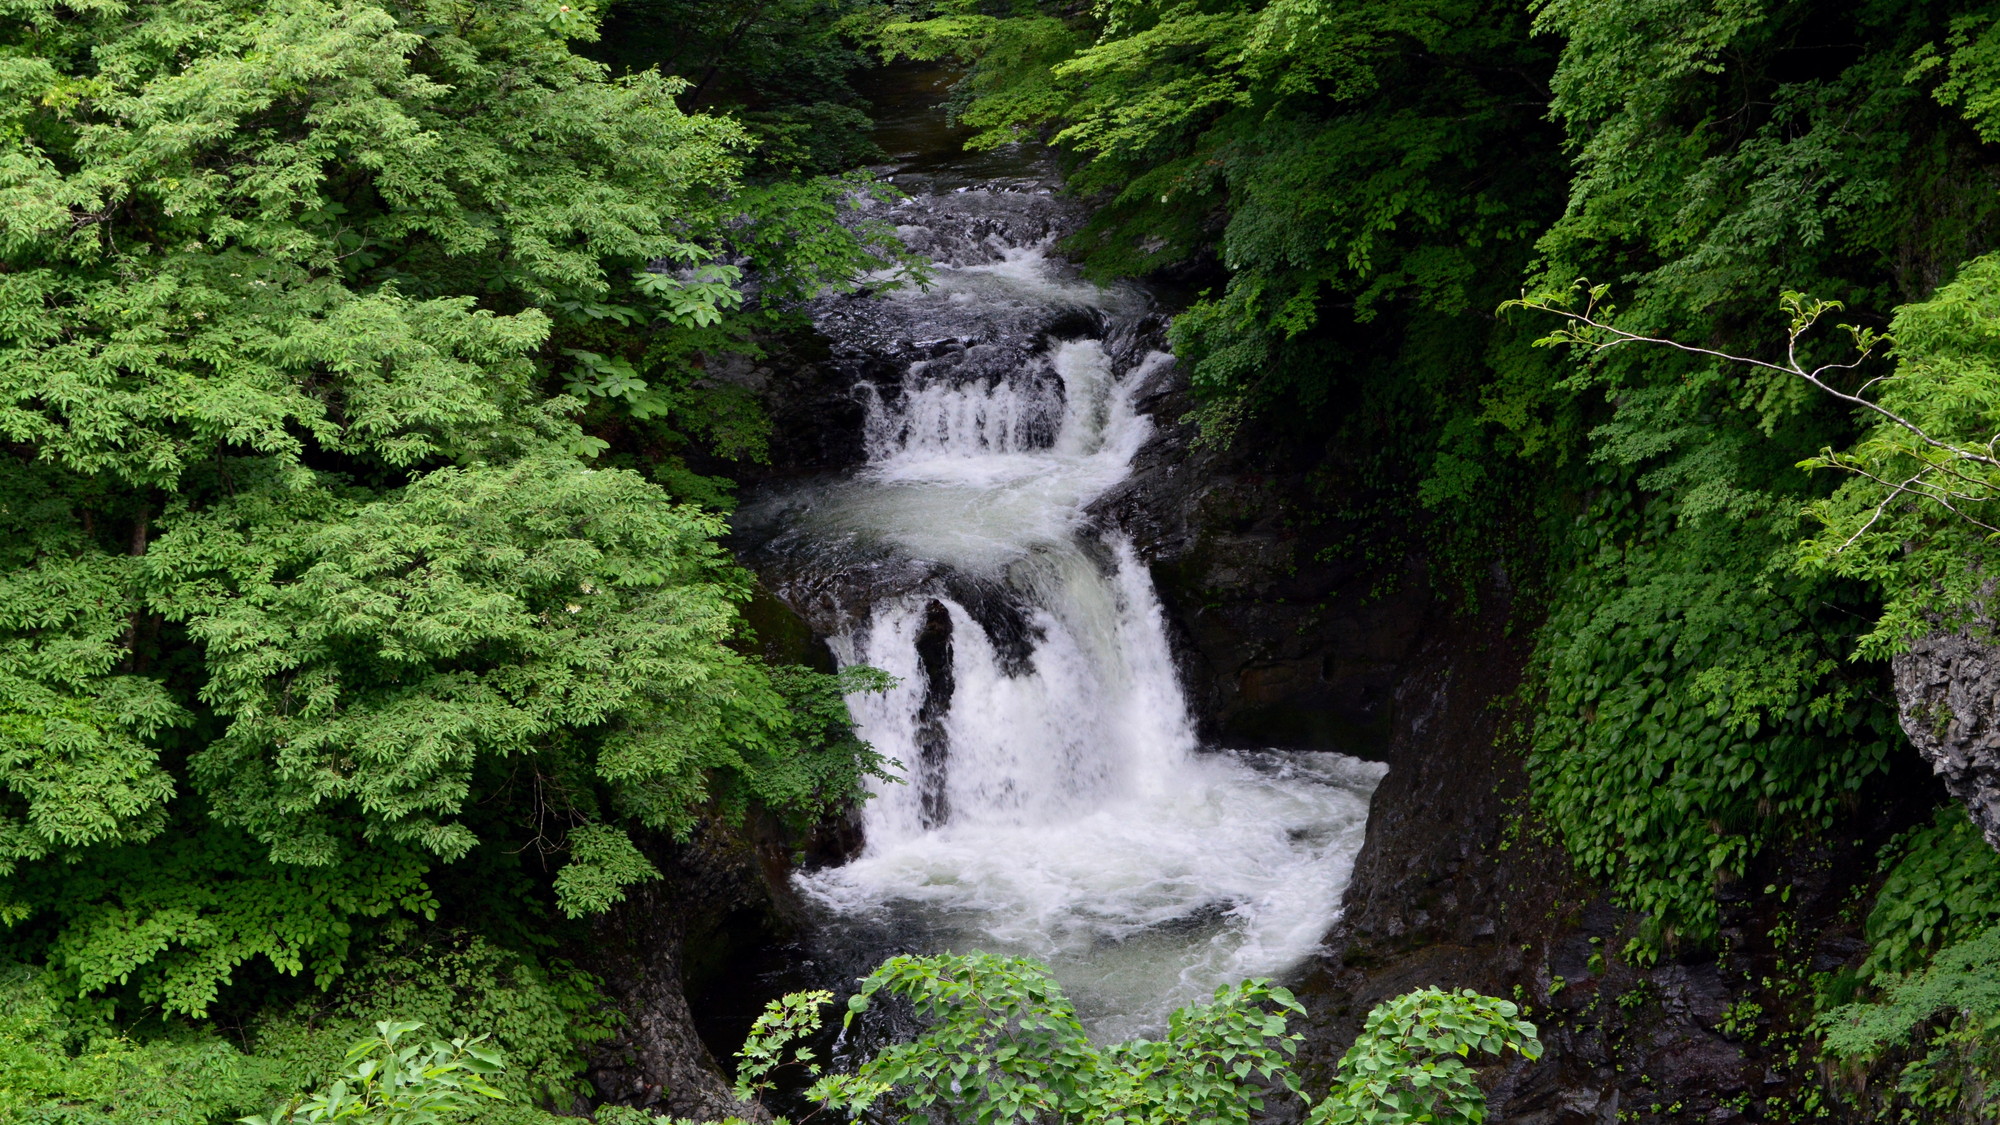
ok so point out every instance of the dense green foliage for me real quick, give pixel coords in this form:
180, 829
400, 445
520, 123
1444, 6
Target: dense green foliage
1374, 178
63, 1062
311, 595
1001, 1043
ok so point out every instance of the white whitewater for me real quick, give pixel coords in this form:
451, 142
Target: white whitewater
1057, 805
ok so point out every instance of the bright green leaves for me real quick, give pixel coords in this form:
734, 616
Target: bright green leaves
1921, 508
698, 299
602, 863
782, 1023
173, 918
1960, 983
369, 653
301, 577
58, 1068
394, 1082
1970, 63
1003, 1044
263, 303
78, 721
1409, 1062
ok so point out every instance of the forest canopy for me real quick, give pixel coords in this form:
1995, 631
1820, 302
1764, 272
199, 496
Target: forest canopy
312, 583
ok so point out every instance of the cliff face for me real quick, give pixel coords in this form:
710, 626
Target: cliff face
1948, 690
641, 949
1459, 885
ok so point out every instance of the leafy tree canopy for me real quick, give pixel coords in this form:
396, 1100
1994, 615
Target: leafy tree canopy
308, 584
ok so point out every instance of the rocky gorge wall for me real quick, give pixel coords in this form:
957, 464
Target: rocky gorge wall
1459, 884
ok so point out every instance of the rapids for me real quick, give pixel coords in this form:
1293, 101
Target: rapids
1055, 799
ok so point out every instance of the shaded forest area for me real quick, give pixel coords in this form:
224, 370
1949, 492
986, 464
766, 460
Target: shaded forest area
364, 629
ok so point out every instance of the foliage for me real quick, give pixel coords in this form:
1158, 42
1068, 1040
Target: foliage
791, 1017
1943, 883
1959, 979
1692, 718
1408, 1063
1921, 511
1709, 717
1001, 1043
62, 1064
1700, 217
308, 589
66, 1061
394, 1084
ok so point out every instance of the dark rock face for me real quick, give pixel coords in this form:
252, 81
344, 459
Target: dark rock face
1281, 645
642, 949
1948, 690
933, 744
1459, 884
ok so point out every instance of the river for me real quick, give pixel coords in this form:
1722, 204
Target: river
1055, 800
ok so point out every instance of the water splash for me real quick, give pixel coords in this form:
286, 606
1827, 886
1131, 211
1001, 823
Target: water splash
1056, 801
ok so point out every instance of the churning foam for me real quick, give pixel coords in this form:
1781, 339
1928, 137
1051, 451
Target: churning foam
1073, 816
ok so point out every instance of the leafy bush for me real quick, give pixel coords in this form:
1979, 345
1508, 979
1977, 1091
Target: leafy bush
1002, 1043
1943, 884
393, 1083
1408, 1063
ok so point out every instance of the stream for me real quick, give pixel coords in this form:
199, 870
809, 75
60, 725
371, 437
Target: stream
1054, 799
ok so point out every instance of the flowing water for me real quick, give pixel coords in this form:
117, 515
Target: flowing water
1055, 800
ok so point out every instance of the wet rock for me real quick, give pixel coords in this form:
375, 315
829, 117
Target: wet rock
1282, 644
658, 1060
933, 741
1948, 692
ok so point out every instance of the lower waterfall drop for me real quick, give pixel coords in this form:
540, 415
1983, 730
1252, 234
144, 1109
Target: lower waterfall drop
1055, 800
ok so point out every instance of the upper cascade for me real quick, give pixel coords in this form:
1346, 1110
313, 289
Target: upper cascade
1055, 798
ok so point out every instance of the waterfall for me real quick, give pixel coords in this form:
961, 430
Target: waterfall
1054, 798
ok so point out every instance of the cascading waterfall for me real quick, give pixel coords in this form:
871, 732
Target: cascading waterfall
1055, 800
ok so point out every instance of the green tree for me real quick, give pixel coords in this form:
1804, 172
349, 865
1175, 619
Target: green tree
309, 587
